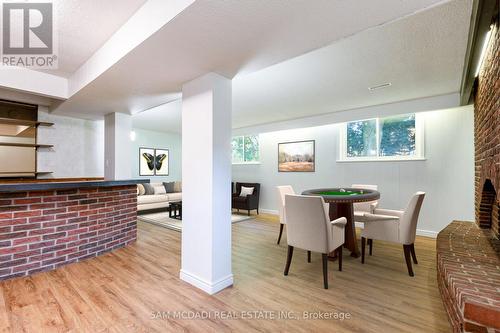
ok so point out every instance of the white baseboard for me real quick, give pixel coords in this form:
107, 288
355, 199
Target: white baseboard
208, 287
269, 211
427, 233
420, 232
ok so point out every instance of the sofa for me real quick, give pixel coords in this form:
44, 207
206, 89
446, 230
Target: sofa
160, 199
248, 202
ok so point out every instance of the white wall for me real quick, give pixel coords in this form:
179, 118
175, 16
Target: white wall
117, 155
447, 174
78, 147
163, 140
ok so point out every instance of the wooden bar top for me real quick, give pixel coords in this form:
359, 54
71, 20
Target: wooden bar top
8, 186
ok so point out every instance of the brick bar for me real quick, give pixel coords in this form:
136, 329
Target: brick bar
43, 230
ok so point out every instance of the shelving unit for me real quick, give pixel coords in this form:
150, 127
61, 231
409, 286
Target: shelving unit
9, 144
20, 124
29, 123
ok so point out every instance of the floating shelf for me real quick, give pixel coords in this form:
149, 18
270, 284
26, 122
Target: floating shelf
28, 145
24, 122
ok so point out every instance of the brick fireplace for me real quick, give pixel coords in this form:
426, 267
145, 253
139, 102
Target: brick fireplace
468, 254
487, 138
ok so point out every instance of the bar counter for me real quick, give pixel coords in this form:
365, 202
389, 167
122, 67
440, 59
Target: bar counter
47, 224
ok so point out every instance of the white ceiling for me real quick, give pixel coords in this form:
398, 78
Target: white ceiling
421, 55
163, 118
84, 26
229, 37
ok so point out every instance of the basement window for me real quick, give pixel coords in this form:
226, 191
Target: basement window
382, 139
245, 149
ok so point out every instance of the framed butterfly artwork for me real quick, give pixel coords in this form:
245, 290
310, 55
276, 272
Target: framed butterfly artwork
153, 162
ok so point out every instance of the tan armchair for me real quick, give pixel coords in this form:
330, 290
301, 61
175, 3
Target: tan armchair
282, 191
361, 208
309, 228
394, 226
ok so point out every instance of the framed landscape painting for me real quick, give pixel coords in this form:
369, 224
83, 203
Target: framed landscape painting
296, 156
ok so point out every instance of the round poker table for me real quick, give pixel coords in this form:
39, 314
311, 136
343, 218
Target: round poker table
341, 202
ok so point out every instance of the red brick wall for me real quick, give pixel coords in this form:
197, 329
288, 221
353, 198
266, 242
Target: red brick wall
40, 231
487, 128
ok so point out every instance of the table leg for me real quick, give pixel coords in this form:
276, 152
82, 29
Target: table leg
346, 210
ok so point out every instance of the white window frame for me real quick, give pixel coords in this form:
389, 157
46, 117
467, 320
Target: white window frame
245, 162
419, 143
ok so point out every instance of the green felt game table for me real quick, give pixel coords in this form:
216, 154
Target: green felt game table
341, 202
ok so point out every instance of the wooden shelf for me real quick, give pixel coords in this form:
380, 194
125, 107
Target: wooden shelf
30, 123
28, 145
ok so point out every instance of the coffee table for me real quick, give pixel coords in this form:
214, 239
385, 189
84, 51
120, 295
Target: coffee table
175, 210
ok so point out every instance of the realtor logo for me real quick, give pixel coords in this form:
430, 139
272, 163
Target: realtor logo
28, 35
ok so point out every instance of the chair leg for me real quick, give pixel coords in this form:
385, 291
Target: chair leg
308, 256
339, 255
407, 251
325, 270
413, 255
363, 245
370, 243
249, 212
288, 259
257, 211
281, 232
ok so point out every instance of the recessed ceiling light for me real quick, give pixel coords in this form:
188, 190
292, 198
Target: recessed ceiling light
380, 86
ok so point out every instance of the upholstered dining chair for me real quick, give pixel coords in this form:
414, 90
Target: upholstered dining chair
394, 226
361, 208
308, 227
282, 191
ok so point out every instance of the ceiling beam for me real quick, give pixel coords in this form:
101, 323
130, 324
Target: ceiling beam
150, 18
37, 83
483, 12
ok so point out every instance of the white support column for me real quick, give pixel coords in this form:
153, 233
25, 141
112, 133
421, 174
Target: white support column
206, 178
117, 158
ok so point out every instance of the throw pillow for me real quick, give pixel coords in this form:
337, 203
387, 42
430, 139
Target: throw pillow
246, 191
140, 189
178, 187
169, 187
160, 189
149, 190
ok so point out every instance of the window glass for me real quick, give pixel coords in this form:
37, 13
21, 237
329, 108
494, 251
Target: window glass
362, 138
397, 136
251, 149
237, 146
245, 149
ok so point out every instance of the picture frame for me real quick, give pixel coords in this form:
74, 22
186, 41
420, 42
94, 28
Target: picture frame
297, 156
146, 161
162, 157
153, 162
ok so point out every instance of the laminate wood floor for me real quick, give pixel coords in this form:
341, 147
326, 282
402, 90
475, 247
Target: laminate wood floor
133, 290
